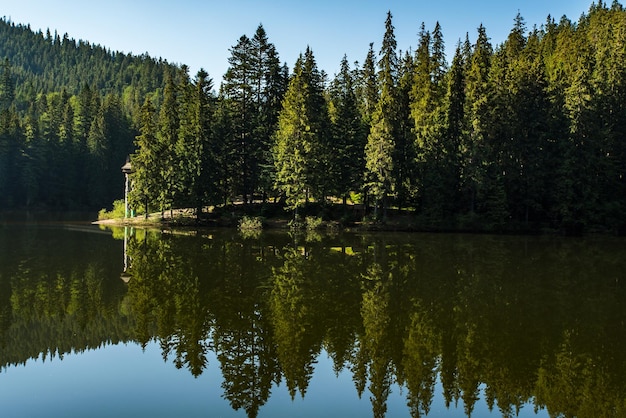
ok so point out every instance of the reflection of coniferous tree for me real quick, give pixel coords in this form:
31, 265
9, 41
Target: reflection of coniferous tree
146, 268
193, 326
167, 295
293, 306
469, 361
541, 322
421, 350
376, 323
574, 382
59, 298
242, 334
340, 292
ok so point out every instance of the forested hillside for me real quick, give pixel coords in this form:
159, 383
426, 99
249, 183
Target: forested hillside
66, 118
45, 63
524, 135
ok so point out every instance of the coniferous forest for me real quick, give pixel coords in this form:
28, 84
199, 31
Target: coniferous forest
521, 136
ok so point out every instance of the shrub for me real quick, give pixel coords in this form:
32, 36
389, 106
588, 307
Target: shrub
250, 223
356, 198
117, 212
312, 223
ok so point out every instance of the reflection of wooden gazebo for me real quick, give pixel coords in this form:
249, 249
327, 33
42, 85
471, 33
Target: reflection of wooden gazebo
126, 169
126, 276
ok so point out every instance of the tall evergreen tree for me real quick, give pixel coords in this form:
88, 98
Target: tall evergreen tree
253, 87
97, 148
367, 86
455, 130
348, 133
427, 111
270, 83
238, 89
118, 133
145, 161
169, 124
301, 151
293, 142
477, 88
380, 148
404, 155
194, 151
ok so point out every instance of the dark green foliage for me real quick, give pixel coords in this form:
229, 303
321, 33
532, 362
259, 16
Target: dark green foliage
302, 153
522, 136
145, 160
252, 92
67, 118
48, 63
380, 181
349, 133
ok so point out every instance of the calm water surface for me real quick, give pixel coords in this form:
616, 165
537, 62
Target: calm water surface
136, 323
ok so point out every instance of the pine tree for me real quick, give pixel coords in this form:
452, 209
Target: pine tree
119, 136
477, 88
145, 161
293, 143
380, 148
270, 83
33, 157
367, 87
253, 89
428, 115
167, 135
316, 107
193, 148
187, 155
302, 147
348, 133
238, 89
455, 130
97, 147
404, 155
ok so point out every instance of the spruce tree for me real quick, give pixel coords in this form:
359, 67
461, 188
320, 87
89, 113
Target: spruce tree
167, 136
404, 155
145, 161
196, 160
348, 133
455, 130
380, 148
367, 87
293, 143
270, 83
428, 115
302, 148
478, 90
238, 90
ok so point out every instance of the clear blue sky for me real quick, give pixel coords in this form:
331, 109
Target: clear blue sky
199, 33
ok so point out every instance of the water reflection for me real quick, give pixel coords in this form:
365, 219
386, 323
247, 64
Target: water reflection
515, 320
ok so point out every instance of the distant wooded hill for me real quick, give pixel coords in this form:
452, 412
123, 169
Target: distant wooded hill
45, 63
67, 117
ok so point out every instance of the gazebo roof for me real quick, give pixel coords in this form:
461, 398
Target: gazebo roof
127, 168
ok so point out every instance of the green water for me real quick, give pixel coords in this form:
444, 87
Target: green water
136, 323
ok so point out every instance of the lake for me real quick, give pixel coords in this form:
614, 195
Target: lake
130, 322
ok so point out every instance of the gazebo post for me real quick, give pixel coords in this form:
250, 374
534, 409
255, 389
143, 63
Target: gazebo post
126, 169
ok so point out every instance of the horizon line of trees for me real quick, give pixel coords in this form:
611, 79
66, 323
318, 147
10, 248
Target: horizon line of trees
524, 135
